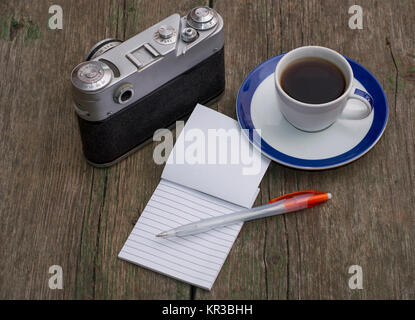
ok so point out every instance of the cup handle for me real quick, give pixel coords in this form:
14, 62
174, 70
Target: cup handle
361, 112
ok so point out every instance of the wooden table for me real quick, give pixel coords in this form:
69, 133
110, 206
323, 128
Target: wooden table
55, 209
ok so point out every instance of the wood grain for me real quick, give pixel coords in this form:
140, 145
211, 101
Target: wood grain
307, 256
56, 209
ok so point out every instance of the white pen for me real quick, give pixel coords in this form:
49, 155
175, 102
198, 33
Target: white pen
284, 204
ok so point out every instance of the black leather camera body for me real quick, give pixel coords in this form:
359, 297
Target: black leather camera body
125, 91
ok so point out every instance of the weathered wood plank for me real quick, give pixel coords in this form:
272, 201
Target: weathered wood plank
243, 274
129, 186
307, 255
363, 224
56, 209
45, 182
401, 153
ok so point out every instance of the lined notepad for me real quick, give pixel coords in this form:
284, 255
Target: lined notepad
194, 259
188, 193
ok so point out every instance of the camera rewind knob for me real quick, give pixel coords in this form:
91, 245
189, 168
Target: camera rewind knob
202, 18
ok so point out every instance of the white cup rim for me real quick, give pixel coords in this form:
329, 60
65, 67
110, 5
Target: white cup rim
319, 105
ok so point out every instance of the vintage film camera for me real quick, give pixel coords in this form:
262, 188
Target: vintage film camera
127, 90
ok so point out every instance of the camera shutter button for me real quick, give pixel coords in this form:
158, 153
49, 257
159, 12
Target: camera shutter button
189, 34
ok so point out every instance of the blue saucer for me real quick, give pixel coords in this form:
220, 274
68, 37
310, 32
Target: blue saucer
342, 143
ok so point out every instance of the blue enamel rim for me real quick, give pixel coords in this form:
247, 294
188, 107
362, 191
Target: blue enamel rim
261, 72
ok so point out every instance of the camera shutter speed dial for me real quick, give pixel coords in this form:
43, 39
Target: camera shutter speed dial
202, 18
91, 76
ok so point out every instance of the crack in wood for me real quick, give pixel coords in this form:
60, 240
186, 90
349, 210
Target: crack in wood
388, 43
299, 253
288, 257
396, 87
79, 262
124, 13
265, 259
99, 232
192, 292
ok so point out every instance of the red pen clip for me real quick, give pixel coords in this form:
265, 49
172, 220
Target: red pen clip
303, 199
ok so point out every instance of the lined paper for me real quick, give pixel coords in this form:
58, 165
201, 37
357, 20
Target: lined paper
194, 259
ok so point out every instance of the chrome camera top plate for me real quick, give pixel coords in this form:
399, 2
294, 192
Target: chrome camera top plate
120, 73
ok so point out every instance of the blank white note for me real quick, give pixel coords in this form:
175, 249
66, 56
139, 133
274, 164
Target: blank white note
194, 259
228, 181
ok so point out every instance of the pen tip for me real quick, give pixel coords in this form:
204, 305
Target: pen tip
160, 235
329, 196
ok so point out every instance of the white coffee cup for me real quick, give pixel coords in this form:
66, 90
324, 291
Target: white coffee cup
316, 117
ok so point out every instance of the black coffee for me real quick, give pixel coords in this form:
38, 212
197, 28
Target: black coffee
313, 80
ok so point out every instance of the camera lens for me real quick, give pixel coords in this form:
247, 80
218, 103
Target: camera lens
124, 93
101, 47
